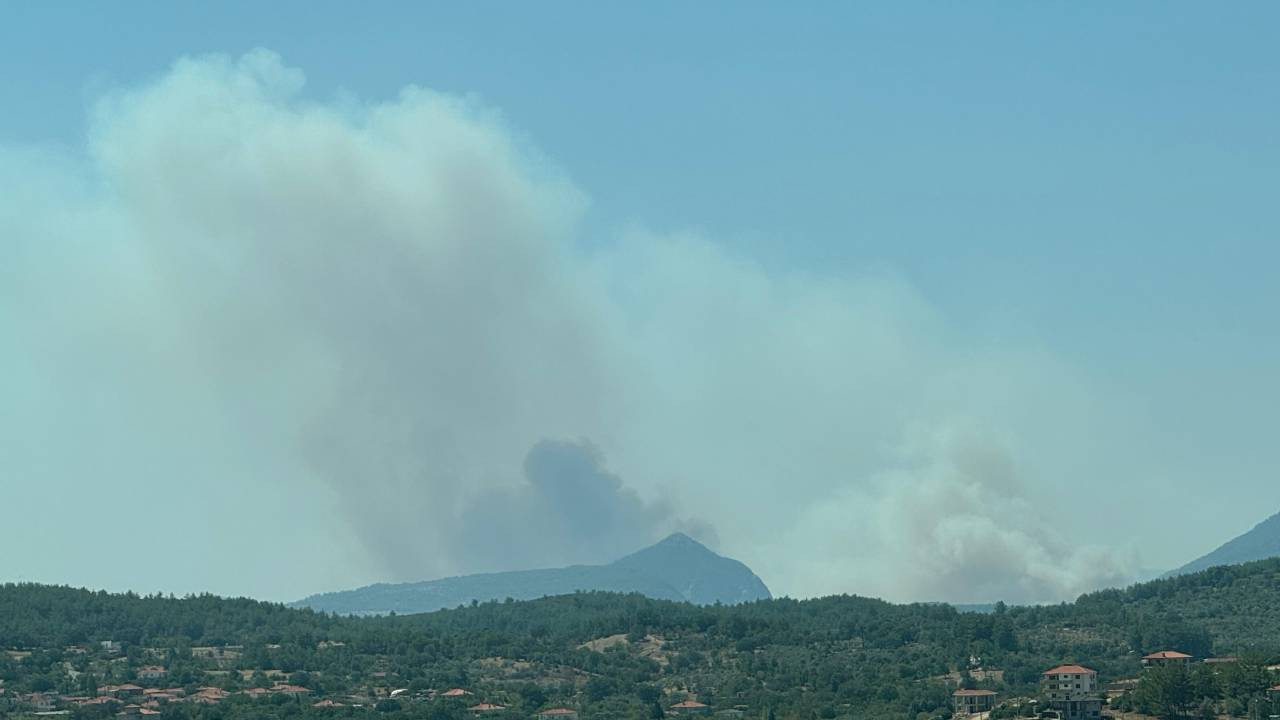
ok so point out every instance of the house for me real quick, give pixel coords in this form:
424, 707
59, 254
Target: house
455, 692
111, 647
485, 707
968, 702
1166, 657
210, 695
152, 672
40, 702
690, 707
1274, 694
326, 703
290, 690
558, 714
256, 693
123, 692
1072, 690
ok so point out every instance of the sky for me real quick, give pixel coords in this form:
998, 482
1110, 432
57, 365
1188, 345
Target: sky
922, 301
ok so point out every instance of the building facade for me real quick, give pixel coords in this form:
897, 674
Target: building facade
968, 702
1072, 690
1166, 657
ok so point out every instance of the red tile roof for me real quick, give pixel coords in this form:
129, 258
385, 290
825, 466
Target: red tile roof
1070, 670
1166, 655
456, 692
966, 693
485, 707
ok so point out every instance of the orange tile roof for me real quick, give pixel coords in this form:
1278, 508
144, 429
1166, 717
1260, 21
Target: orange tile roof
1069, 670
485, 707
1166, 655
456, 692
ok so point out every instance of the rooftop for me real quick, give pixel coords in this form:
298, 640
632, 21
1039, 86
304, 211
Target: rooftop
1069, 670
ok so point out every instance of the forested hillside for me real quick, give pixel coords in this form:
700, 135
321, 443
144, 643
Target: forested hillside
610, 655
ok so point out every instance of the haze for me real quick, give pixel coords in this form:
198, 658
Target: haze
915, 301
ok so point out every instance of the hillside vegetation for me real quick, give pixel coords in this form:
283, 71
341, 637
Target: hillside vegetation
611, 655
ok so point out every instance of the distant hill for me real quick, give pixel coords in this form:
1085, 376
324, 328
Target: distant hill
1260, 543
678, 568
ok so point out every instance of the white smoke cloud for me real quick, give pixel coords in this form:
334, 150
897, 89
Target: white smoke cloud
378, 314
956, 521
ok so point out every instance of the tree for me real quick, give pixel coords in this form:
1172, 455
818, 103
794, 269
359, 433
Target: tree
1164, 690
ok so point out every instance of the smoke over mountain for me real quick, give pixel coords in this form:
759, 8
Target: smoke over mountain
374, 325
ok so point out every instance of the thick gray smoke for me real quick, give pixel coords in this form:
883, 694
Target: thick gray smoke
282, 329
570, 508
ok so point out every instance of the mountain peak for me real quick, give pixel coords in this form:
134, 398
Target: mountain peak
675, 568
700, 575
678, 539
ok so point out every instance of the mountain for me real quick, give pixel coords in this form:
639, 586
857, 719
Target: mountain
1262, 542
678, 568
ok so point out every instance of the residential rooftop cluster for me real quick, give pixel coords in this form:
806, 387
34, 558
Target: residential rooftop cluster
1071, 691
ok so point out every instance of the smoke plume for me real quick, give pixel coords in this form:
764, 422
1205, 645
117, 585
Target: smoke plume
344, 341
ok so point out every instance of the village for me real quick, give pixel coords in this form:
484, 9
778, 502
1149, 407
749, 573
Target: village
1066, 692
1074, 692
150, 689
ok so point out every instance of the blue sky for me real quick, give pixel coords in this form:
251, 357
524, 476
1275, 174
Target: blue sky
1085, 182
1101, 163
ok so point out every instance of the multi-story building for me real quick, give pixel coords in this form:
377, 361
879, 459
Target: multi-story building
968, 702
1166, 657
1072, 690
